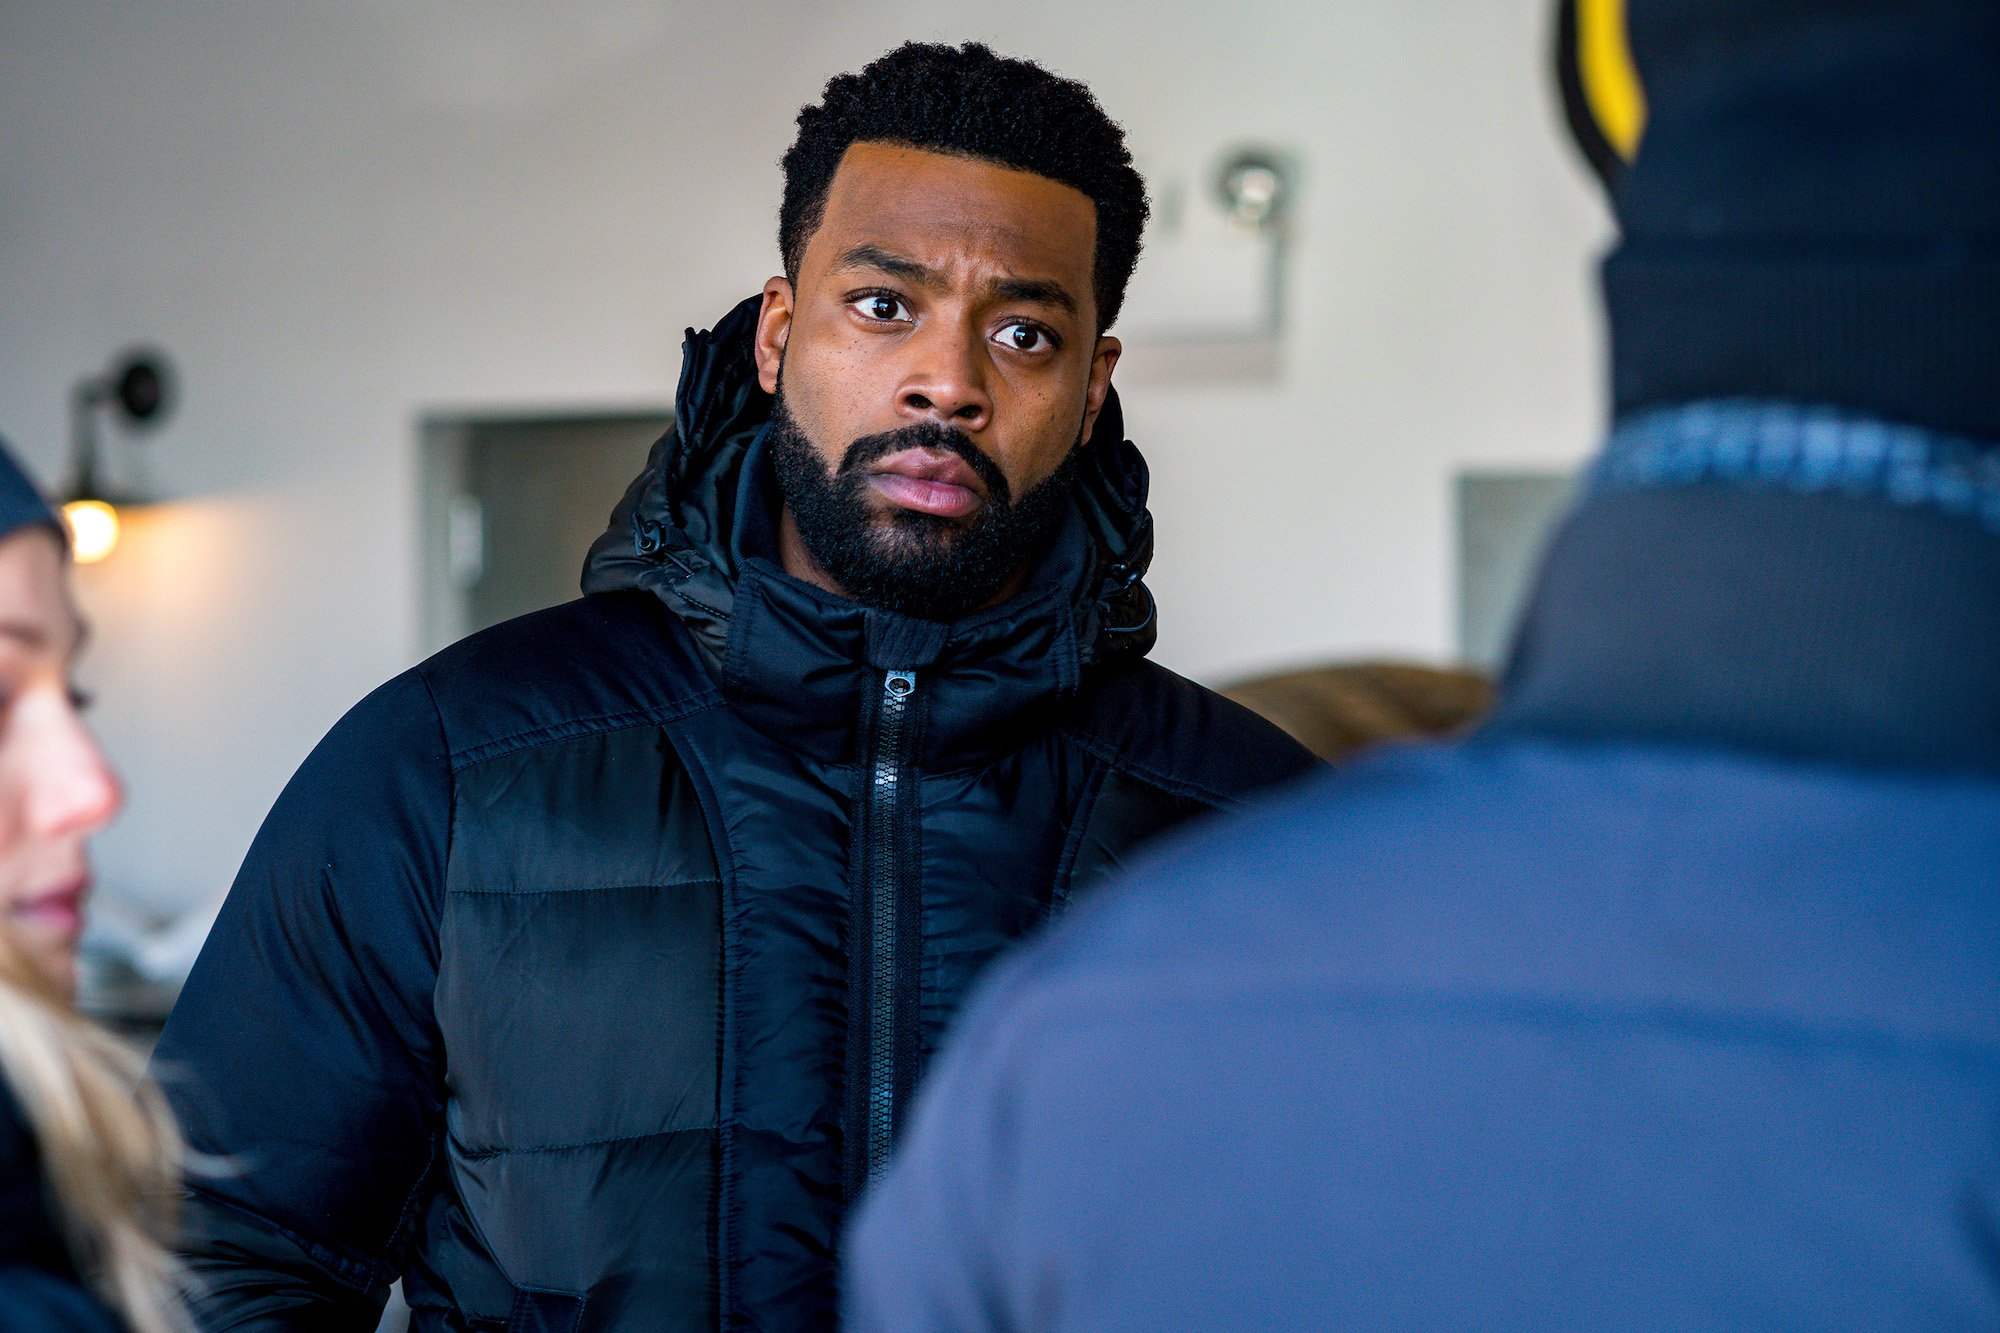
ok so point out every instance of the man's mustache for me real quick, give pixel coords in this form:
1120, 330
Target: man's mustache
929, 435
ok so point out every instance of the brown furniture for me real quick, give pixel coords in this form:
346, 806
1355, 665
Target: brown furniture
1338, 709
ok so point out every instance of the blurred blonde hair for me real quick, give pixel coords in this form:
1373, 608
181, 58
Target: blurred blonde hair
107, 1142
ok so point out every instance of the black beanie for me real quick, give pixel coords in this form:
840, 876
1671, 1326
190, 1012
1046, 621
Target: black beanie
1814, 210
21, 501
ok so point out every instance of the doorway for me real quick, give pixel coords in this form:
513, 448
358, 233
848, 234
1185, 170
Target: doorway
1505, 520
511, 506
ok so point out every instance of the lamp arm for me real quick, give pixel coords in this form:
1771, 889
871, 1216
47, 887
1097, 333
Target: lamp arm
84, 401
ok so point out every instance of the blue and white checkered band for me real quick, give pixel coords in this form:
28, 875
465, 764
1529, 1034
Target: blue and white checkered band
1812, 450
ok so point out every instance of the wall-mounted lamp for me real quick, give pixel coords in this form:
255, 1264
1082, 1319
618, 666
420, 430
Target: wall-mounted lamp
1210, 302
1254, 185
139, 390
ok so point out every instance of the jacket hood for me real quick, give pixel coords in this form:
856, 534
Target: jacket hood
695, 530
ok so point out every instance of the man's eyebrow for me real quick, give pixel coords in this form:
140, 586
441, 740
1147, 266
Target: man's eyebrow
895, 265
1036, 291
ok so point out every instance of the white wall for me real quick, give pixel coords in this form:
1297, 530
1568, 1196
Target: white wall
336, 217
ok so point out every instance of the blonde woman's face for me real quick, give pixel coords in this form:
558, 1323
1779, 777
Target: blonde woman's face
55, 787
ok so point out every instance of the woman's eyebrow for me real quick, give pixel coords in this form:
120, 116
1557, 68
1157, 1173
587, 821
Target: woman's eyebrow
26, 633
35, 637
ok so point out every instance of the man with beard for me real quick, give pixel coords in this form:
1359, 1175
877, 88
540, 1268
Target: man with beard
582, 974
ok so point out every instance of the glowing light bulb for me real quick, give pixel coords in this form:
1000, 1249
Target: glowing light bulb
93, 529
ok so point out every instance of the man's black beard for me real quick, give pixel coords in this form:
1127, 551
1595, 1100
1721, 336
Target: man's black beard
915, 564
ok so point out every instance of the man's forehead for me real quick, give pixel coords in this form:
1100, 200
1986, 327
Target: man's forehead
942, 209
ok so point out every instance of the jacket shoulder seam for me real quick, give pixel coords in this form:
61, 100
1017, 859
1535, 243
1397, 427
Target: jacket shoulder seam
575, 727
471, 1154
451, 769
698, 882
1073, 842
1167, 782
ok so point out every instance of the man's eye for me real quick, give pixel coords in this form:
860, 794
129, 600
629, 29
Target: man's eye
1026, 338
879, 306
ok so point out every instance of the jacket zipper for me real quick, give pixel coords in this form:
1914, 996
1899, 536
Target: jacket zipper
890, 792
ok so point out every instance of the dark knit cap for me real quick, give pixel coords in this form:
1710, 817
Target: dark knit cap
21, 501
1814, 211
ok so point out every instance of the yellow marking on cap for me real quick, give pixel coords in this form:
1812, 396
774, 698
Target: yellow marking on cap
1609, 76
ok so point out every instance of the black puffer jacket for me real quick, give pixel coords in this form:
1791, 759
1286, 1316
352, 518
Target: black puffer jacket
584, 970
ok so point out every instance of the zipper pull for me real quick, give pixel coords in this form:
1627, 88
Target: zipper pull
900, 684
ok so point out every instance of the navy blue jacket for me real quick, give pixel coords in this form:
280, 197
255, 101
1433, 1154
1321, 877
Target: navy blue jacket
1672, 1000
580, 976
1669, 1001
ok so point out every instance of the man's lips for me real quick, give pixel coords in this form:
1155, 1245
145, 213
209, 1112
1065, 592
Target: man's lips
59, 909
929, 482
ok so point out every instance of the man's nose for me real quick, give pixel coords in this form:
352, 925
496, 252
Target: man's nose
946, 382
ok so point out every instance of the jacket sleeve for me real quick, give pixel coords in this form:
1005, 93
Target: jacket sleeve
303, 1057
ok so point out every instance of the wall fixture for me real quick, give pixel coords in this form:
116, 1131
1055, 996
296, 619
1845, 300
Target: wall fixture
138, 389
1254, 186
1209, 302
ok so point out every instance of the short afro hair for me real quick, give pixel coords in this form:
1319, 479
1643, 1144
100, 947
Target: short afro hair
968, 101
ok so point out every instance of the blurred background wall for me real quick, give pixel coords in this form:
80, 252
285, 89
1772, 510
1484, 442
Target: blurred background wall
342, 220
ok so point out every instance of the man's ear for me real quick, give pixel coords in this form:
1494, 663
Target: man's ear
774, 329
1102, 362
